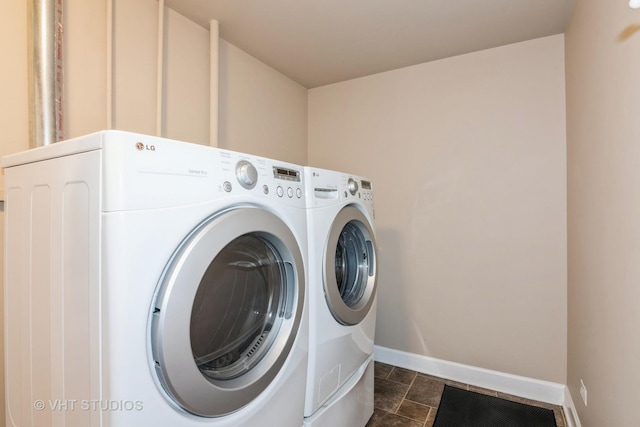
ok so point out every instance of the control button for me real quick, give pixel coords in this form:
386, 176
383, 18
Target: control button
226, 186
352, 185
247, 174
290, 192
265, 189
299, 193
280, 191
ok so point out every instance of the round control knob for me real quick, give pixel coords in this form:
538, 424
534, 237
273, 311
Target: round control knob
247, 174
352, 185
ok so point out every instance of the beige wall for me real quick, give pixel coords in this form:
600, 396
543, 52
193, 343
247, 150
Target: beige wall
261, 111
186, 90
135, 53
603, 150
467, 157
85, 66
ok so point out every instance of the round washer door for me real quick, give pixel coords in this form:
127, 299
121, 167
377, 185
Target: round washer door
350, 267
227, 312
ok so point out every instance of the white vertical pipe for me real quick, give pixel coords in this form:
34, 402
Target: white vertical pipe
160, 70
42, 72
214, 85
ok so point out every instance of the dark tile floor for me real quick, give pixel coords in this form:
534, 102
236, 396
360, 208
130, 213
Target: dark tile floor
405, 398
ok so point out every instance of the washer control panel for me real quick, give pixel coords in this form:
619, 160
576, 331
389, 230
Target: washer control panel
361, 189
367, 190
327, 187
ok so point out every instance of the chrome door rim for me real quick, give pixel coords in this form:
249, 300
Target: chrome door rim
342, 312
171, 314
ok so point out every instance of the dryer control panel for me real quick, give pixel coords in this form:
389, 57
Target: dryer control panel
242, 173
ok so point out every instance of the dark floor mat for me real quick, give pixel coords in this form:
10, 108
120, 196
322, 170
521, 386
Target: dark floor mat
462, 408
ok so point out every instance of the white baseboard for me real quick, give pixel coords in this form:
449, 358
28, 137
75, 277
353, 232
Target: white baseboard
570, 413
529, 388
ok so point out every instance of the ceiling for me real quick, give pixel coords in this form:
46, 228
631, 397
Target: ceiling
319, 42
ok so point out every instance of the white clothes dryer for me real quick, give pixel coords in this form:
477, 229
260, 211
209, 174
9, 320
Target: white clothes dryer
152, 282
342, 298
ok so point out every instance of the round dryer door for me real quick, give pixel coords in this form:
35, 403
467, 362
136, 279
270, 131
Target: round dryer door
228, 311
350, 267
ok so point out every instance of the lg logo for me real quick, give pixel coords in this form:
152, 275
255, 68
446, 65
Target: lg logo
140, 146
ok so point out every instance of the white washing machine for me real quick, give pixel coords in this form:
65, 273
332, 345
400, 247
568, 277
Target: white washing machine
342, 299
152, 282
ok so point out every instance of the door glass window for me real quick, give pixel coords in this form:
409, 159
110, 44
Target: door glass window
238, 308
352, 264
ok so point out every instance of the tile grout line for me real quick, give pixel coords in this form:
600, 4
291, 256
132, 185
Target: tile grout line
431, 408
407, 392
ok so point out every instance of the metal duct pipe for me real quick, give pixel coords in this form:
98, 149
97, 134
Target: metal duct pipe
45, 71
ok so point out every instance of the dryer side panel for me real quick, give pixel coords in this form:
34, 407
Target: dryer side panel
52, 329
